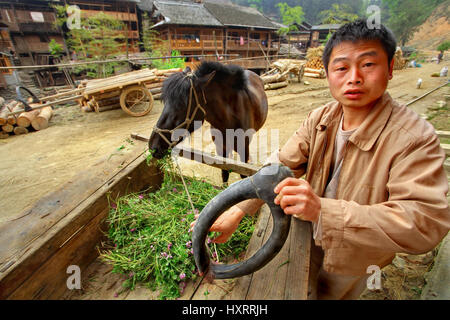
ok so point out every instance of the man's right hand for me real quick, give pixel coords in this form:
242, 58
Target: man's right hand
225, 224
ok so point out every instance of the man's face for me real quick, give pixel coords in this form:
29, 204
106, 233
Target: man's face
358, 73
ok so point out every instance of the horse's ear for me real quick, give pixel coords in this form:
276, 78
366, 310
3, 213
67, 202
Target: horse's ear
187, 70
205, 80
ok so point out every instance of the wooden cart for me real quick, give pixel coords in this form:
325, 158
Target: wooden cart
128, 89
132, 91
68, 226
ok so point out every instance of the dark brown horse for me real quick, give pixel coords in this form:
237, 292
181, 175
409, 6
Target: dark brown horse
228, 97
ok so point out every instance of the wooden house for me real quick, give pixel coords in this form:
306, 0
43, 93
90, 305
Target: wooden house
125, 11
319, 33
300, 38
307, 35
31, 28
6, 56
205, 27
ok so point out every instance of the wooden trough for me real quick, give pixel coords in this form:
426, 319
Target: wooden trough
68, 226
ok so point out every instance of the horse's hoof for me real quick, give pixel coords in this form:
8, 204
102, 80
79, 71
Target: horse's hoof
260, 185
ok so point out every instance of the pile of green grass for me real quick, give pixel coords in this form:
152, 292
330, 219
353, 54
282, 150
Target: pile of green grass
150, 238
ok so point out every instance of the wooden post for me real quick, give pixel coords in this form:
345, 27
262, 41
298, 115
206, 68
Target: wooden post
202, 41
137, 24
289, 46
248, 42
226, 41
215, 42
170, 40
128, 29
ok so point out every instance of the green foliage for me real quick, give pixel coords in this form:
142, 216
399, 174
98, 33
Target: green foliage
163, 64
55, 48
257, 4
99, 38
289, 16
444, 46
61, 16
327, 38
155, 47
151, 242
311, 8
150, 37
406, 16
337, 14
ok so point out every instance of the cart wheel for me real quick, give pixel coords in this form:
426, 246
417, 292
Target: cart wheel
136, 100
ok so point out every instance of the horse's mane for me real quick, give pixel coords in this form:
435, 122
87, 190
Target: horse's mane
236, 73
177, 86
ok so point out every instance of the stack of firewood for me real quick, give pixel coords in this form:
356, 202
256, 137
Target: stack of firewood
399, 61
277, 76
110, 99
314, 65
24, 122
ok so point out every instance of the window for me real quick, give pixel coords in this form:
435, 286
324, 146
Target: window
43, 38
37, 16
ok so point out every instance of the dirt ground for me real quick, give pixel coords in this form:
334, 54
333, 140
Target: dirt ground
35, 164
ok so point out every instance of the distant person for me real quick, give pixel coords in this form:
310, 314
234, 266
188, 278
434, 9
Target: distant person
74, 56
374, 182
440, 56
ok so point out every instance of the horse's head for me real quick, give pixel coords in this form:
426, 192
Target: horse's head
184, 102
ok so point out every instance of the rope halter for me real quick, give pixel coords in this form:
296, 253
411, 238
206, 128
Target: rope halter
189, 118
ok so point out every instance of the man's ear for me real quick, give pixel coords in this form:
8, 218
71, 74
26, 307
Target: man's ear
187, 70
391, 69
205, 80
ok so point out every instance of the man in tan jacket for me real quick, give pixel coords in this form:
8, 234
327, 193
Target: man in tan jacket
375, 183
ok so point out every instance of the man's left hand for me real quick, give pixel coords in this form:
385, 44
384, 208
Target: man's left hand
297, 198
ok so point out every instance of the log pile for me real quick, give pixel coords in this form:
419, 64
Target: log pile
281, 70
399, 62
22, 123
104, 94
314, 65
91, 95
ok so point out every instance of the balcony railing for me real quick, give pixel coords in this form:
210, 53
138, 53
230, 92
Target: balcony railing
38, 27
207, 42
124, 16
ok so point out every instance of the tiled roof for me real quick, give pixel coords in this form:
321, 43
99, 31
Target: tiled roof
234, 15
207, 14
184, 12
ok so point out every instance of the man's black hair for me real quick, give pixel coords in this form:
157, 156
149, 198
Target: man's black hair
356, 31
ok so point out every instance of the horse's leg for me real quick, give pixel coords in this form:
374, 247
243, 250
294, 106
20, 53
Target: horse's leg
222, 152
246, 152
225, 173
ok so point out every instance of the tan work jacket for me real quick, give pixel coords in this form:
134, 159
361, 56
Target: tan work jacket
391, 195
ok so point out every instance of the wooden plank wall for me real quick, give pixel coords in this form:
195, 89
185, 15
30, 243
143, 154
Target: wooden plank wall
65, 228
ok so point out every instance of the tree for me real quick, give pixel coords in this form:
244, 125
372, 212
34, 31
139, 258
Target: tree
100, 37
257, 4
55, 48
406, 16
444, 46
154, 47
290, 16
338, 14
